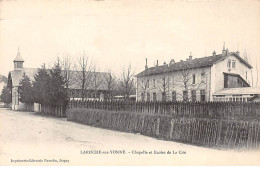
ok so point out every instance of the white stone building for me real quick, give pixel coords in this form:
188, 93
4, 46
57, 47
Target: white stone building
199, 79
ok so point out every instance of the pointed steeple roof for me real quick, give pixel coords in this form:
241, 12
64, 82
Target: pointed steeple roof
18, 57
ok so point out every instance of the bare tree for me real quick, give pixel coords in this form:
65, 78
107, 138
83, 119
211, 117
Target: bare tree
67, 71
83, 75
256, 73
163, 86
182, 80
185, 81
96, 81
127, 82
110, 83
144, 85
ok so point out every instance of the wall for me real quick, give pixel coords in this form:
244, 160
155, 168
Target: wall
36, 107
176, 86
221, 67
15, 101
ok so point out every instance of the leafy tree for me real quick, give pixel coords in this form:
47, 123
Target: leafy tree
6, 95
26, 90
58, 92
41, 86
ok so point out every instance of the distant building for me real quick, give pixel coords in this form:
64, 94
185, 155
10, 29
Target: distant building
209, 78
121, 97
14, 77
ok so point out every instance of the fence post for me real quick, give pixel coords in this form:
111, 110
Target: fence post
157, 132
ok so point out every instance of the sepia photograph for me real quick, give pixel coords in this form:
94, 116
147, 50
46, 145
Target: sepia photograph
129, 83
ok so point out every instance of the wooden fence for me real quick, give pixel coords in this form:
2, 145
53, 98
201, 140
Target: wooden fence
58, 111
217, 133
218, 110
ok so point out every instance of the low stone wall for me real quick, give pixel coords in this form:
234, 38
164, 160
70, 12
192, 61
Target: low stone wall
206, 132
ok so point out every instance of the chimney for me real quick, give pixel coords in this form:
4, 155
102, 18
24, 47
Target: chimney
214, 53
224, 52
181, 60
190, 57
172, 61
157, 63
238, 53
227, 52
146, 67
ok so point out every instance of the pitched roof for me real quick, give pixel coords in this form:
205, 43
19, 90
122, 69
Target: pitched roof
238, 91
239, 58
99, 76
18, 57
188, 64
17, 75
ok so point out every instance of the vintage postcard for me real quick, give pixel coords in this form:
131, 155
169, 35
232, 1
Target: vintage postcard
129, 83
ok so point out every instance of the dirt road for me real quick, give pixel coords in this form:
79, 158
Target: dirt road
27, 138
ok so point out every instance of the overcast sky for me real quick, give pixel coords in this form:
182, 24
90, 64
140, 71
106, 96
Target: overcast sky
117, 33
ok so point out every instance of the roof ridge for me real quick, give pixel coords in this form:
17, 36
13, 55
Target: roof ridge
194, 63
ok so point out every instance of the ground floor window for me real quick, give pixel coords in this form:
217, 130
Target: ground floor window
148, 97
232, 98
163, 96
174, 96
193, 95
185, 95
202, 96
154, 96
142, 96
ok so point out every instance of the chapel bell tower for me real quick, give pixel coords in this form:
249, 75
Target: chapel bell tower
18, 61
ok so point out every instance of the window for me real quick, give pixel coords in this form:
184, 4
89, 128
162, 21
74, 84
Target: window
193, 95
142, 96
147, 83
225, 81
19, 64
203, 77
154, 96
193, 79
202, 96
148, 97
185, 95
174, 96
172, 80
229, 63
233, 64
163, 96
153, 82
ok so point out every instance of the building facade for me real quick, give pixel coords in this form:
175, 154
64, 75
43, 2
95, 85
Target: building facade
199, 79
